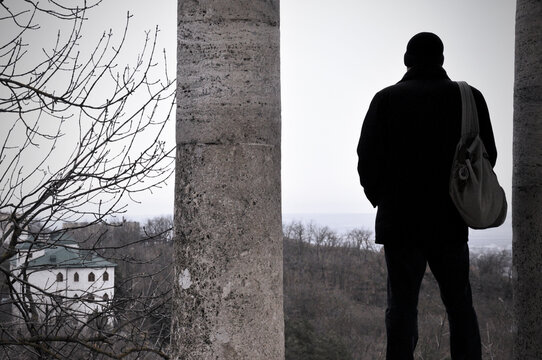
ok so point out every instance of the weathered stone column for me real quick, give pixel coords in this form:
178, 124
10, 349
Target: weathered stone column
228, 233
527, 181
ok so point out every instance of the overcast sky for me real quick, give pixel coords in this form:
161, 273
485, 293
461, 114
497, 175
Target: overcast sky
335, 55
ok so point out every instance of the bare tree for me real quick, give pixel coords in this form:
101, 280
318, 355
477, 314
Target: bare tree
81, 136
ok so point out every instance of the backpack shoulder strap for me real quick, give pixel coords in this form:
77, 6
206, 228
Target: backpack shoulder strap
469, 114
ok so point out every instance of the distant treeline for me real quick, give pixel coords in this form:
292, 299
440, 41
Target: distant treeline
334, 291
335, 299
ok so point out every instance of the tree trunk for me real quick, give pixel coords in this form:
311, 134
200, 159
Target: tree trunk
228, 235
527, 181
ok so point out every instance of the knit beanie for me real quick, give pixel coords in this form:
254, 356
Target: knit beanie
424, 48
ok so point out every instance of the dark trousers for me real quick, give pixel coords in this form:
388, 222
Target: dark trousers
450, 265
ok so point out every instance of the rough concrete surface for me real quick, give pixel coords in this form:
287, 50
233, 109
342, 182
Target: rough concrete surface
228, 233
527, 182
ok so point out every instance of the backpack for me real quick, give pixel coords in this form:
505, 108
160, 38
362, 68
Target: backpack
474, 187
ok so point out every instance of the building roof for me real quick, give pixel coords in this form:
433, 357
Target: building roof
61, 256
60, 251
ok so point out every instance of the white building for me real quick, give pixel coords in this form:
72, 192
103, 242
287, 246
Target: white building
62, 275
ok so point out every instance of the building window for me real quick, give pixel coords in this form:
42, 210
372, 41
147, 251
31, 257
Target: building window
90, 297
106, 297
91, 277
106, 276
76, 277
59, 277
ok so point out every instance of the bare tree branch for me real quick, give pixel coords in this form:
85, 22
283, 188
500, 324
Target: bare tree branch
84, 136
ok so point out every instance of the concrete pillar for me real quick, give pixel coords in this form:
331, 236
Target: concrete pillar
228, 234
527, 181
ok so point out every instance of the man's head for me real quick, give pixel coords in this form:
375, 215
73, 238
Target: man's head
424, 48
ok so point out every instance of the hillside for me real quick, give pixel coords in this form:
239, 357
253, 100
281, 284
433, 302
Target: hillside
335, 298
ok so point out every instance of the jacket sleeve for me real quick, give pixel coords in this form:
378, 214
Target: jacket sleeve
486, 131
371, 151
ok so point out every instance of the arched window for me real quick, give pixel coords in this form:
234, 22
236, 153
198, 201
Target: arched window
76, 277
106, 276
59, 277
91, 277
106, 297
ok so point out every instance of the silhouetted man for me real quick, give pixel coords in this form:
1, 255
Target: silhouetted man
405, 154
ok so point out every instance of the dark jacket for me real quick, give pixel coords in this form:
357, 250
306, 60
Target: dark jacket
405, 151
